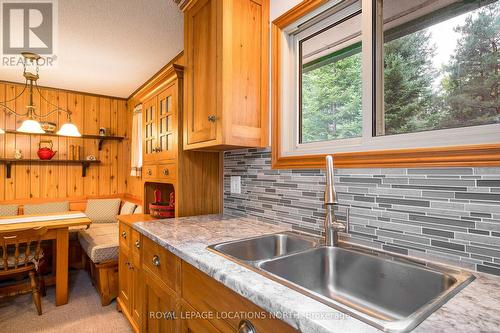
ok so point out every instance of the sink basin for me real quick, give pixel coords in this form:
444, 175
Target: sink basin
264, 247
392, 295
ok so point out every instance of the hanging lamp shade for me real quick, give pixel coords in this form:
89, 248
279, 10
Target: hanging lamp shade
69, 129
31, 126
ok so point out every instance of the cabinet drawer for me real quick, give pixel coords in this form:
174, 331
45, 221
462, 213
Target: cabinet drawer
162, 263
166, 171
135, 247
149, 171
205, 294
124, 236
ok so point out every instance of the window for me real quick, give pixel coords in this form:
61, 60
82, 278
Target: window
331, 80
441, 68
372, 75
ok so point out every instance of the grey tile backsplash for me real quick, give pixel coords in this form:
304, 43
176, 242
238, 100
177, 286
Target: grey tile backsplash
450, 215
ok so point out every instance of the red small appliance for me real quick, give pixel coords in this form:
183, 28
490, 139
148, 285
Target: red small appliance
162, 210
45, 153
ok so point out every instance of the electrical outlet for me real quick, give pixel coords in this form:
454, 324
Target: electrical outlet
236, 184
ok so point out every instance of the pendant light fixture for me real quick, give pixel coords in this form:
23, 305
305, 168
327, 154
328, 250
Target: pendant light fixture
31, 124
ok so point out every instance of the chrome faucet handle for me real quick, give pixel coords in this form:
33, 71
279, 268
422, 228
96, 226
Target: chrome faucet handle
342, 226
329, 191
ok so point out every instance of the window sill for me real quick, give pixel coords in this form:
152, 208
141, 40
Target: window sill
455, 156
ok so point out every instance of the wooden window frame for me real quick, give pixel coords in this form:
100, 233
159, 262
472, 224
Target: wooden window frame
473, 155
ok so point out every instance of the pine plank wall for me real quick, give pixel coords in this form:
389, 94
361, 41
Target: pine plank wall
30, 182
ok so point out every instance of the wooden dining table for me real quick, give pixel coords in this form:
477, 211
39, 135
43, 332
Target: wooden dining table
57, 229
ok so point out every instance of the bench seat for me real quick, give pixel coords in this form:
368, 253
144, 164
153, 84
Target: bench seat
100, 242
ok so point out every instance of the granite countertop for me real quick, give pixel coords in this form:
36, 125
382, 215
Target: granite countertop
475, 309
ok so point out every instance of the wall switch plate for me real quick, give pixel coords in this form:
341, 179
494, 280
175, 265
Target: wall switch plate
236, 184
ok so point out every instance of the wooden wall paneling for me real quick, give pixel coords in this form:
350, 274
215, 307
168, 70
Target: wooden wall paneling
62, 178
75, 104
2, 142
33, 140
10, 142
124, 129
91, 126
22, 173
113, 128
104, 155
35, 181
49, 173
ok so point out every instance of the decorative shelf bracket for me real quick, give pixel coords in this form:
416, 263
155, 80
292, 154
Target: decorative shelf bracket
8, 169
85, 165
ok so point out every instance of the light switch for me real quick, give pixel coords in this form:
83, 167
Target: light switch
236, 184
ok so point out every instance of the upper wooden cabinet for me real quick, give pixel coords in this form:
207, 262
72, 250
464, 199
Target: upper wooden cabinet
160, 114
226, 75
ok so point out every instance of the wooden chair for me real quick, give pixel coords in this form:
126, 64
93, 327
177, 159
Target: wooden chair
20, 253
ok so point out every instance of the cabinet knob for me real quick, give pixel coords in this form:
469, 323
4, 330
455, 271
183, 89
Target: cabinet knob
165, 172
124, 234
246, 326
149, 172
156, 260
137, 244
212, 118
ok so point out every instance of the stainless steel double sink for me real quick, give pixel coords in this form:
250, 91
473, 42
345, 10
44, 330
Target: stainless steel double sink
391, 292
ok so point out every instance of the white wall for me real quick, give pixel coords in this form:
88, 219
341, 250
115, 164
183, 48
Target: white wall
279, 7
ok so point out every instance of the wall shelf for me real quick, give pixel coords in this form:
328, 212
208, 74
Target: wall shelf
9, 161
101, 138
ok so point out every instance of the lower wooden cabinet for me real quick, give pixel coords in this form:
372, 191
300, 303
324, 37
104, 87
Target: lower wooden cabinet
130, 296
164, 294
160, 306
191, 323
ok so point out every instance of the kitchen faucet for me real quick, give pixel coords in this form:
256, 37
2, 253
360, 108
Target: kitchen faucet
332, 227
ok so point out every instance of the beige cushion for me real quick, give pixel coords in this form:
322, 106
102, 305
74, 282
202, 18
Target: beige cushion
102, 210
138, 210
46, 208
100, 241
8, 210
127, 208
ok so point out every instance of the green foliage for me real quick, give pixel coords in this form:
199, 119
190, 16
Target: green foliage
331, 101
472, 83
408, 78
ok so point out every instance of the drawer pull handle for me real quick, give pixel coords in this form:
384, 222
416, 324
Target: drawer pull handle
165, 172
212, 118
149, 172
246, 326
137, 244
124, 234
156, 260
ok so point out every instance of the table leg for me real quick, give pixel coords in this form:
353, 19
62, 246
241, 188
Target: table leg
62, 245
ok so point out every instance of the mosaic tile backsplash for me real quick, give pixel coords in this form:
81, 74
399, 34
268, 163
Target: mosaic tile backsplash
449, 215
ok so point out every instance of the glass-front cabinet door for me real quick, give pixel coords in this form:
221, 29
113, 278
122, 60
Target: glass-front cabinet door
150, 129
167, 123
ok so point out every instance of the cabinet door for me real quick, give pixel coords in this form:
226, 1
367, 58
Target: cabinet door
124, 279
149, 130
137, 295
201, 72
159, 308
167, 123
